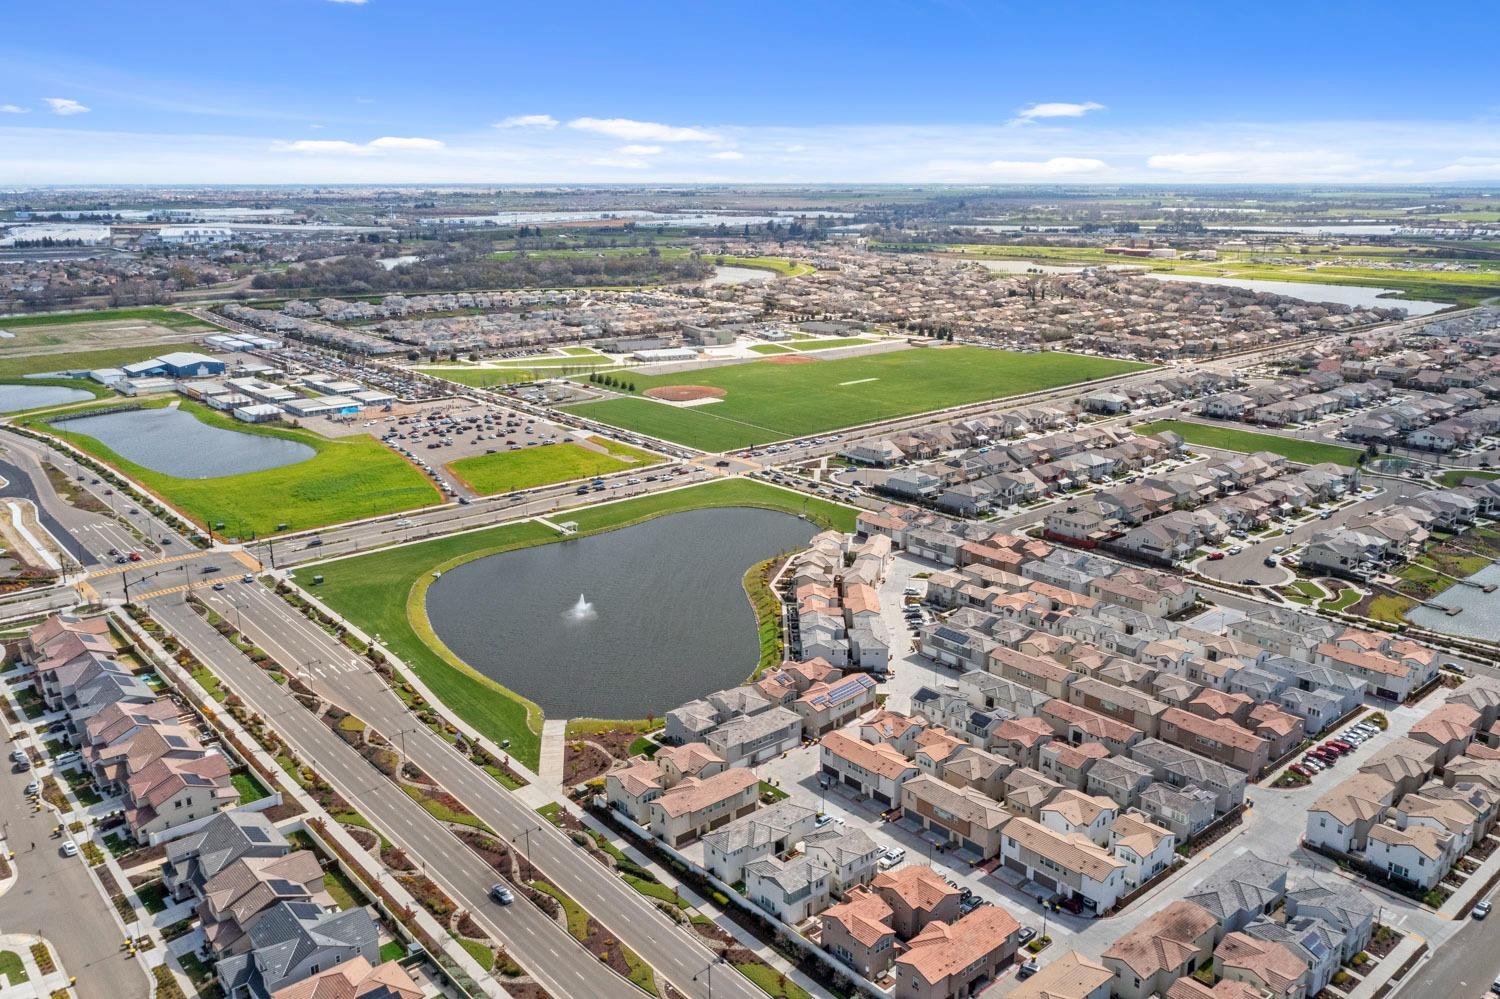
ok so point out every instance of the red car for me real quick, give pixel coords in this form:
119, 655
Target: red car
135, 556
1300, 770
1216, 556
1326, 755
1342, 746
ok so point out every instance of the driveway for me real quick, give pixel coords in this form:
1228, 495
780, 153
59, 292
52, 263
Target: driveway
55, 897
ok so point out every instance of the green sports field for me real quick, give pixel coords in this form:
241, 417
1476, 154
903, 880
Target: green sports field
545, 464
769, 401
1229, 439
347, 479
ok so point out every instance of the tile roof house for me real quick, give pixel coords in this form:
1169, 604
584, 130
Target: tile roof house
1269, 967
1162, 948
355, 979
1340, 905
1070, 976
696, 806
1068, 864
174, 791
951, 960
858, 932
874, 769
917, 895
966, 818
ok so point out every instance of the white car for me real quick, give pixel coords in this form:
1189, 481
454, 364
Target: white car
69, 849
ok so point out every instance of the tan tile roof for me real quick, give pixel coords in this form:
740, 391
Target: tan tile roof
942, 949
694, 795
1071, 976
1079, 809
864, 915
1271, 962
1220, 730
1163, 941
1070, 852
921, 888
875, 757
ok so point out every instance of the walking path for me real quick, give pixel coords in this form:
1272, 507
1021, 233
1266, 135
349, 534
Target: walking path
1388, 966
554, 736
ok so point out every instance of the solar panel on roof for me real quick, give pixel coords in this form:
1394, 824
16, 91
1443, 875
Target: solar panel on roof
255, 834
281, 886
176, 741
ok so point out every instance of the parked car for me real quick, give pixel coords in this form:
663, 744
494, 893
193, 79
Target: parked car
35, 787
1027, 932
69, 848
891, 858
1216, 556
1300, 770
1030, 968
1480, 910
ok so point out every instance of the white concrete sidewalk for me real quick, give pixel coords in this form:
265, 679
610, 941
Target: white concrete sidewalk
554, 738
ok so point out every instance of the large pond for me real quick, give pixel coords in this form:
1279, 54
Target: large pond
621, 624
1342, 294
1480, 615
14, 398
175, 442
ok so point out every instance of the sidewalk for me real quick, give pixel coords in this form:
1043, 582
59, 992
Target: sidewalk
554, 737
1376, 979
36, 984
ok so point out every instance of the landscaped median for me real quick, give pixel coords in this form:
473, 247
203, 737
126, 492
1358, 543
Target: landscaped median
348, 479
1248, 441
384, 593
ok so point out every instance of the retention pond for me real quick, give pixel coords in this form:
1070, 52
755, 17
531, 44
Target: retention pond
621, 624
175, 442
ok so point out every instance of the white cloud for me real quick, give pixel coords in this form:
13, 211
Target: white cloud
65, 106
351, 3
1057, 109
1265, 164
728, 154
619, 163
635, 150
339, 147
641, 131
527, 121
1056, 168
13, 109
404, 142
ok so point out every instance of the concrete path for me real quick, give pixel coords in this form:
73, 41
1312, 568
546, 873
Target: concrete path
1388, 966
550, 768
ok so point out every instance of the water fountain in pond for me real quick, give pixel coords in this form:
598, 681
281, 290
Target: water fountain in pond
581, 611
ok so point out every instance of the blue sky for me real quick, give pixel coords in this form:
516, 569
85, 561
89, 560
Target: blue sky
323, 91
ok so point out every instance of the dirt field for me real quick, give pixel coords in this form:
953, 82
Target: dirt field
87, 336
790, 359
685, 393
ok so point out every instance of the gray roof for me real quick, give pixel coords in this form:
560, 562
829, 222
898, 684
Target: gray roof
226, 838
1341, 905
1249, 884
757, 828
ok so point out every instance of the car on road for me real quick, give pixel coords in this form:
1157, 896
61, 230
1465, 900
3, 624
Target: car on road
502, 894
1216, 556
1278, 549
35, 787
247, 578
1480, 910
1235, 549
219, 585
69, 848
135, 556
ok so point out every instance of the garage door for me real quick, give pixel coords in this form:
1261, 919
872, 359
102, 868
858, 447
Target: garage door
854, 783
1044, 881
830, 771
882, 797
1014, 864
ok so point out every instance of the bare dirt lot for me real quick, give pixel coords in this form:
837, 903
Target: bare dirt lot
790, 359
88, 336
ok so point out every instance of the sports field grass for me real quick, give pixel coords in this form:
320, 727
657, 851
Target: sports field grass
545, 464
769, 348
489, 377
384, 593
768, 401
348, 479
831, 343
1302, 452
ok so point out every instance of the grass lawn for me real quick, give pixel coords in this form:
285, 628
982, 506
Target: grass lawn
347, 479
479, 952
1347, 597
248, 786
831, 343
12, 969
768, 401
530, 371
505, 471
1455, 476
392, 950
346, 894
384, 593
153, 896
1302, 452
772, 982
1390, 609
770, 348
76, 360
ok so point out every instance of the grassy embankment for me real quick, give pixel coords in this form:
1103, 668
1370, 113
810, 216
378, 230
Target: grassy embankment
1229, 439
345, 479
384, 593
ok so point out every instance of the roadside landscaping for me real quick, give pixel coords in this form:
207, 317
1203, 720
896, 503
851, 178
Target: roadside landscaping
384, 594
1229, 439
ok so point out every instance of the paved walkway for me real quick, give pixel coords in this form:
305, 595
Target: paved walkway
35, 983
1382, 972
554, 736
